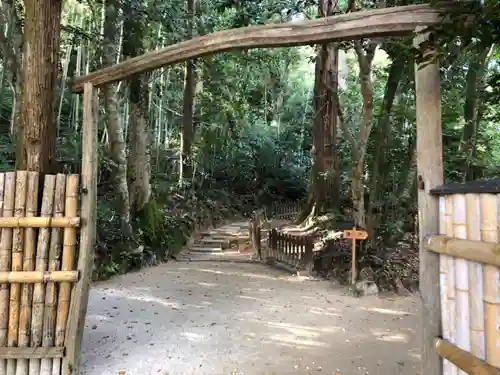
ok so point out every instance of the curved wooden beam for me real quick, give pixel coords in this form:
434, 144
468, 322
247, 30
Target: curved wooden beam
372, 23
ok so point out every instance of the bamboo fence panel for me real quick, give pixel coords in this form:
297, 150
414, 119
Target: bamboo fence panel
42, 253
452, 303
17, 265
490, 232
469, 283
462, 333
37, 270
9, 189
444, 261
2, 196
49, 315
477, 338
28, 265
68, 260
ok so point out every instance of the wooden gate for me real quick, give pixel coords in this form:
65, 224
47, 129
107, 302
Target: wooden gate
47, 236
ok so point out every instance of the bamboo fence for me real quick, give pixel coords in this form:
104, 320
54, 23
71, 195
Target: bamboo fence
469, 247
37, 270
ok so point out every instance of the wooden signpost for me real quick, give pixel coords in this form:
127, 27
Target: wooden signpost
354, 235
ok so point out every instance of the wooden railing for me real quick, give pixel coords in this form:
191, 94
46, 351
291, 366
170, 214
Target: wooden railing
292, 250
278, 210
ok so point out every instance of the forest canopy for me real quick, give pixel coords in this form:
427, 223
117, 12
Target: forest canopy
332, 125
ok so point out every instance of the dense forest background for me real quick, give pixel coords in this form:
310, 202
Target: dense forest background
332, 125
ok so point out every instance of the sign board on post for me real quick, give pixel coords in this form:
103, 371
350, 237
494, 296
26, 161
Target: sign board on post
354, 234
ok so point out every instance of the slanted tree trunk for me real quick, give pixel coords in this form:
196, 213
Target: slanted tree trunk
139, 163
187, 127
359, 143
117, 146
379, 168
35, 149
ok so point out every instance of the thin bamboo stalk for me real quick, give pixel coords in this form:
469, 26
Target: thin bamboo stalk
41, 266
475, 279
35, 277
49, 315
68, 264
461, 277
2, 184
490, 232
39, 222
452, 304
443, 280
28, 265
5, 261
17, 265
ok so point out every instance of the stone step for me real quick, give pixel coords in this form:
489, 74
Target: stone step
205, 249
211, 242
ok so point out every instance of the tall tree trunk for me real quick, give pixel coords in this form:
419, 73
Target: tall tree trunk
381, 139
117, 146
323, 183
36, 148
139, 163
330, 122
187, 127
474, 81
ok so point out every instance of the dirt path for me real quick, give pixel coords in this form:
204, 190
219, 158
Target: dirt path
217, 318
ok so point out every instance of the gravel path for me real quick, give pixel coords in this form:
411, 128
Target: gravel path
218, 318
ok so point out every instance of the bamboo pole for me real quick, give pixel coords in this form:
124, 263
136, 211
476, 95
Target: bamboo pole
38, 277
41, 266
68, 260
475, 269
461, 276
5, 261
2, 184
49, 314
28, 265
443, 279
452, 303
471, 250
466, 362
490, 232
39, 222
17, 265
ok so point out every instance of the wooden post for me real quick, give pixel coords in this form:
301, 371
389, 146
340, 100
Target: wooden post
79, 302
354, 234
430, 175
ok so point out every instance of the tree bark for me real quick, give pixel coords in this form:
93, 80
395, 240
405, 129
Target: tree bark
139, 163
35, 150
474, 81
323, 184
359, 144
117, 145
187, 127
